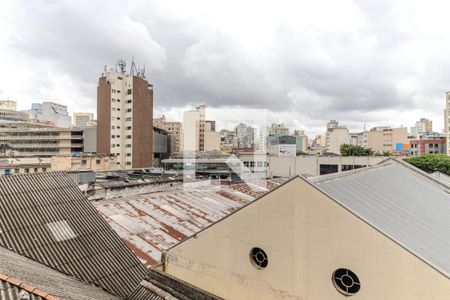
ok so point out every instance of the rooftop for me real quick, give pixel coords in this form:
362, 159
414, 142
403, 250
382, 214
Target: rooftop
407, 205
151, 223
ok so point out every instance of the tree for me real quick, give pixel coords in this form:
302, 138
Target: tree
431, 163
354, 150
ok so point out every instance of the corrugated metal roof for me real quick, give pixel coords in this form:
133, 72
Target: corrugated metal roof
47, 218
151, 223
37, 276
401, 201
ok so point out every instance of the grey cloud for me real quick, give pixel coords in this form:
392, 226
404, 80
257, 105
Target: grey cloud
318, 73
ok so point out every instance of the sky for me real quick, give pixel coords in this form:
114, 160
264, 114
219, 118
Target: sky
363, 63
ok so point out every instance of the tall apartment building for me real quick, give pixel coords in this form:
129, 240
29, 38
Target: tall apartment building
198, 134
33, 139
50, 112
83, 119
422, 126
8, 105
125, 117
175, 129
447, 120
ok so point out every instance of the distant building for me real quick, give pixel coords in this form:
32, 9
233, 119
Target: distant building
277, 129
283, 146
335, 138
33, 139
429, 143
175, 129
51, 112
83, 119
84, 161
245, 136
8, 105
447, 120
315, 165
162, 145
20, 165
198, 134
422, 126
302, 141
125, 117
385, 139
13, 115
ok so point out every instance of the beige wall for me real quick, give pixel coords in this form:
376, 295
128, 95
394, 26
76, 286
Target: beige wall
309, 165
94, 163
386, 140
336, 138
307, 237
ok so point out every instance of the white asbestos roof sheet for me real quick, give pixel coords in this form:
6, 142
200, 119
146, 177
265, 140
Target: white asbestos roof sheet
404, 203
151, 223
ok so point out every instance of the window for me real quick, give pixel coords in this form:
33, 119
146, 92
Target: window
128, 127
128, 154
118, 118
128, 101
346, 282
27, 170
129, 92
258, 258
113, 127
118, 91
118, 100
120, 78
113, 136
129, 110
128, 163
113, 91
128, 136
44, 169
128, 119
97, 161
113, 99
128, 145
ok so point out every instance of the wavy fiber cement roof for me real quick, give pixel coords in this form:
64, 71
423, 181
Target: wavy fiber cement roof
45, 217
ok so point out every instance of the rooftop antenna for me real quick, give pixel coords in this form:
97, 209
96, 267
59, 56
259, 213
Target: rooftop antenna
141, 72
122, 65
133, 69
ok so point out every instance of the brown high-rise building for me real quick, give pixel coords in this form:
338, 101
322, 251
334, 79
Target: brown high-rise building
125, 117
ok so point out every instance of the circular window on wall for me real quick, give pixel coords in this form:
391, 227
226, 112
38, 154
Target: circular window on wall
258, 258
346, 282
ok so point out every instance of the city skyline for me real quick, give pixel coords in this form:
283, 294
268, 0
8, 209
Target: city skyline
352, 67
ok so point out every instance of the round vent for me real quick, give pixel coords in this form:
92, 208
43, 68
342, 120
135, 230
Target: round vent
258, 258
346, 281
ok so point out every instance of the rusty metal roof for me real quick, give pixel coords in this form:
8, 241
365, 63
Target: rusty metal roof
45, 217
151, 223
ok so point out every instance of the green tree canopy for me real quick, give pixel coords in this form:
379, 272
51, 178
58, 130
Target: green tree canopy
431, 163
354, 150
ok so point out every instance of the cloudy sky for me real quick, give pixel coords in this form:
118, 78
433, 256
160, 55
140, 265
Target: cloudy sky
361, 62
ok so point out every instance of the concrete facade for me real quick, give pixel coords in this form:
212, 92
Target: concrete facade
82, 119
311, 165
198, 134
125, 118
33, 139
447, 120
92, 162
306, 236
8, 104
